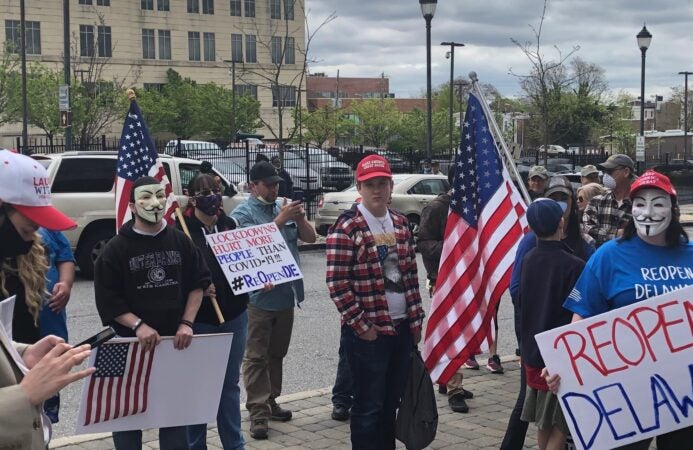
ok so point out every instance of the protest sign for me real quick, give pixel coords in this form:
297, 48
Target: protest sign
627, 374
254, 256
134, 390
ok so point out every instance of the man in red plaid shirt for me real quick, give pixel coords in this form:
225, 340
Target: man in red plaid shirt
372, 278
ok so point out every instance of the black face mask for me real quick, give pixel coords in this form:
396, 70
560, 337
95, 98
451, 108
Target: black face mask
11, 243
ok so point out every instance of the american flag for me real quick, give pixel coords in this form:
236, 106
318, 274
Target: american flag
485, 224
137, 158
119, 386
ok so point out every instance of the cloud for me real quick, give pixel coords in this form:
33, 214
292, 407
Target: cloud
370, 37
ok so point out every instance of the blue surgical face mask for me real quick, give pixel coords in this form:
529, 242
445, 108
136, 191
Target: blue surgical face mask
608, 181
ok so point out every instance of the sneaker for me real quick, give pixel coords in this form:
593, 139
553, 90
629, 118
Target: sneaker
278, 413
458, 404
443, 388
471, 364
258, 428
467, 394
340, 413
494, 364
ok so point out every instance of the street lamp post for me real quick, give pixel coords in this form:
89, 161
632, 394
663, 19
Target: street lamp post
428, 9
685, 114
452, 79
66, 64
233, 98
25, 102
644, 38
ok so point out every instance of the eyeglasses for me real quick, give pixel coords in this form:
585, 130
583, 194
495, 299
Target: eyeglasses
610, 171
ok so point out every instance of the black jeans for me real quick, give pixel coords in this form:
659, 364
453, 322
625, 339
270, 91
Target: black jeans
343, 389
379, 369
517, 429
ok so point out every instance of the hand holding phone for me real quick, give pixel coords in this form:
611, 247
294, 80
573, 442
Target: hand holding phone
99, 338
297, 196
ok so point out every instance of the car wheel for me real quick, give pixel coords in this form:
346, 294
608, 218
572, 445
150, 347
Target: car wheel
90, 248
414, 221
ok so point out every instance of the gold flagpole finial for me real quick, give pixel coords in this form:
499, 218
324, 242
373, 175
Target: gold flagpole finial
131, 94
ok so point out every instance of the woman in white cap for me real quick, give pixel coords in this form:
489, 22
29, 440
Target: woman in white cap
653, 237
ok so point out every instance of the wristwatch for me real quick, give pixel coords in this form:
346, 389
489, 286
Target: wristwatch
137, 325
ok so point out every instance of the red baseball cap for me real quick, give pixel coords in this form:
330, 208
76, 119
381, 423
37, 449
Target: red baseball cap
652, 179
24, 184
372, 166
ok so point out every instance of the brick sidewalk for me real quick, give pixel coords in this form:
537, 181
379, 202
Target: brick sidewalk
312, 428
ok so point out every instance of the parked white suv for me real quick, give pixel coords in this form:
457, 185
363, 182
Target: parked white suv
83, 187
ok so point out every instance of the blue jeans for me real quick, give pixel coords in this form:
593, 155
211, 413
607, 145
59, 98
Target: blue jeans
380, 369
229, 414
343, 390
171, 438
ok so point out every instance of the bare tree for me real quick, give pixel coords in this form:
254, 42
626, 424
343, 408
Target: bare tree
547, 77
279, 75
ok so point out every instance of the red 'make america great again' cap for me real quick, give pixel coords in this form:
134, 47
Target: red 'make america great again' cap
652, 179
372, 166
24, 184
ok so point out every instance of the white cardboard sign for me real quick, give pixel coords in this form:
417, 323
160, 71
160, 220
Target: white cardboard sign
627, 374
254, 256
183, 387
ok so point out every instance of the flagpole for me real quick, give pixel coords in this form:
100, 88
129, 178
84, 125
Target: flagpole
179, 215
499, 136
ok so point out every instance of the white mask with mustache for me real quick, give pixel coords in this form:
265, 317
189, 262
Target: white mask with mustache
150, 202
651, 212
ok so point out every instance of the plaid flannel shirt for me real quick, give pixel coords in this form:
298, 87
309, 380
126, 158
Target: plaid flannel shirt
603, 217
355, 276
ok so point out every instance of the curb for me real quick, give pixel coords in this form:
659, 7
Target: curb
310, 247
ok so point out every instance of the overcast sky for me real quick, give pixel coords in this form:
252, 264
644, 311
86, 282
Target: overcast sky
370, 37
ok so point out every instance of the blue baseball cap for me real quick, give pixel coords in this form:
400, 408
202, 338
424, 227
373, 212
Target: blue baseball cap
544, 216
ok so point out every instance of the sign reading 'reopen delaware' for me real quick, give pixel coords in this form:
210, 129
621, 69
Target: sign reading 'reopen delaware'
627, 374
254, 256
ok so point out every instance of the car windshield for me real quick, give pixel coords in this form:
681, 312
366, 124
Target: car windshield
396, 179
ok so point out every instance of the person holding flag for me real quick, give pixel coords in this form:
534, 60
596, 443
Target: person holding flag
149, 279
484, 226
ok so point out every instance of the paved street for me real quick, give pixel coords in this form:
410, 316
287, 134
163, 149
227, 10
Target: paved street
312, 358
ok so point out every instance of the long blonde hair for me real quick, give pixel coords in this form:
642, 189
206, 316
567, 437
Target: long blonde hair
31, 270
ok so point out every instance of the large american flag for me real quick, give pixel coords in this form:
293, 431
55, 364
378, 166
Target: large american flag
485, 224
137, 158
119, 386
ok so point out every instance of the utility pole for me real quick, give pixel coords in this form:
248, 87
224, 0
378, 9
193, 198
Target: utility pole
25, 102
685, 115
66, 65
234, 131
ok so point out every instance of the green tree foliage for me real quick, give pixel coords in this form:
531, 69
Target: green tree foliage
324, 124
42, 98
188, 109
8, 74
378, 121
411, 134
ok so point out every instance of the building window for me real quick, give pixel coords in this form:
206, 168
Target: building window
85, 2
158, 87
235, 7
250, 48
275, 9
194, 45
103, 2
86, 40
246, 89
104, 41
13, 37
148, 45
163, 5
289, 9
207, 6
210, 51
194, 7
290, 54
147, 5
250, 8
276, 49
237, 47
283, 96
164, 44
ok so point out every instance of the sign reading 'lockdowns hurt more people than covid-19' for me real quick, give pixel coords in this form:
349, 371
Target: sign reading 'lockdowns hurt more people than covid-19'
627, 374
253, 257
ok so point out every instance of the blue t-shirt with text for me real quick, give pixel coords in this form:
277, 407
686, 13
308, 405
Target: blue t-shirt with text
629, 271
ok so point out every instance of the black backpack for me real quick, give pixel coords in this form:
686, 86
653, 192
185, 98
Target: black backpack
417, 418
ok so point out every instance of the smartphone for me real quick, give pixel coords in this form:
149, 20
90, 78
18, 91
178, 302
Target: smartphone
99, 338
297, 197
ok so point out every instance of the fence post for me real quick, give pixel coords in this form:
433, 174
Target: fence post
103, 142
308, 195
247, 162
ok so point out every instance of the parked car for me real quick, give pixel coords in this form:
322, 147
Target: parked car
553, 150
334, 175
83, 187
192, 149
411, 192
397, 162
674, 165
293, 164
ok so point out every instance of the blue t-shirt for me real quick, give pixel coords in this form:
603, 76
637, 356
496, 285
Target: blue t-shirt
57, 250
626, 272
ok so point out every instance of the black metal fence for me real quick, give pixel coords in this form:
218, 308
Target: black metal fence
317, 171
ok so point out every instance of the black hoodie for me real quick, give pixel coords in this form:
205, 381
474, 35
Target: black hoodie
149, 276
231, 305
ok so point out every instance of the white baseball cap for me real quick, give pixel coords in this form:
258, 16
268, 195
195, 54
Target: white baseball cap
24, 185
